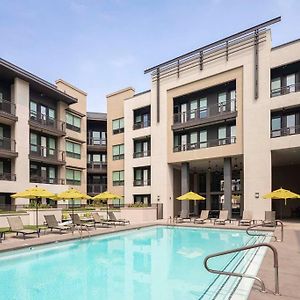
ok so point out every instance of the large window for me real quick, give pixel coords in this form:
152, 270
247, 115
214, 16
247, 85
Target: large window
142, 176
118, 177
145, 199
118, 125
141, 148
44, 146
203, 138
222, 101
43, 174
41, 112
73, 122
96, 157
222, 135
203, 108
276, 86
118, 152
233, 134
97, 138
73, 149
291, 123
276, 126
73, 177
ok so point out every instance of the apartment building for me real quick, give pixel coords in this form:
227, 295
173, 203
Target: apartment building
96, 153
42, 134
222, 120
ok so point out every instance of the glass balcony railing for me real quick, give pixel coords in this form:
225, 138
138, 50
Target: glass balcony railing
47, 122
142, 154
285, 131
46, 180
47, 153
293, 88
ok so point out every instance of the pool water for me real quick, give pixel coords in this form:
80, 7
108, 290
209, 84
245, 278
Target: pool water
151, 263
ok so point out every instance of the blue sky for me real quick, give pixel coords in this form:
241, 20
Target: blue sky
105, 45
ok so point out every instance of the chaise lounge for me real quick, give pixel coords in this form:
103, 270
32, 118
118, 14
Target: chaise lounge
112, 219
99, 221
247, 218
223, 217
270, 219
203, 217
53, 224
183, 217
16, 225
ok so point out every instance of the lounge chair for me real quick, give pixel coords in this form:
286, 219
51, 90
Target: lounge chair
53, 224
99, 221
16, 225
203, 217
183, 217
112, 219
247, 219
83, 225
223, 217
270, 217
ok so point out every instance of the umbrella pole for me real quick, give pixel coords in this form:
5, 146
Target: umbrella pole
106, 209
37, 214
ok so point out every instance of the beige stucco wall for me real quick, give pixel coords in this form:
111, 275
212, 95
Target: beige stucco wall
115, 110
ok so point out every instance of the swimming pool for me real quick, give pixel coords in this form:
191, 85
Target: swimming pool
151, 263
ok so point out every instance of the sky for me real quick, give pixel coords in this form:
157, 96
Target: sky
102, 46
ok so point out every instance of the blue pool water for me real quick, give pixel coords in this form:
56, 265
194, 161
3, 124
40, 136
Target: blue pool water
150, 263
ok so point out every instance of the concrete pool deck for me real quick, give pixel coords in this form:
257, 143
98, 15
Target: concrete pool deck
288, 251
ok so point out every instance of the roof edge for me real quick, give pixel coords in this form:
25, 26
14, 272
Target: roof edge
71, 86
129, 88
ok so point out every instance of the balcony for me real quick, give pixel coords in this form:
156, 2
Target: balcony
7, 147
8, 177
8, 111
284, 90
46, 180
202, 116
142, 182
142, 154
97, 167
96, 188
285, 131
96, 144
43, 123
142, 124
47, 155
206, 144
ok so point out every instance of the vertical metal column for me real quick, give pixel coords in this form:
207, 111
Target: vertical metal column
196, 189
157, 95
208, 185
185, 184
227, 185
256, 85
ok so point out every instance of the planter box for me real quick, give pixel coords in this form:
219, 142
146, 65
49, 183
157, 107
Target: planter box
137, 215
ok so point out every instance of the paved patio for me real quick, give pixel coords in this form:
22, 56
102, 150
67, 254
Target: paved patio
288, 250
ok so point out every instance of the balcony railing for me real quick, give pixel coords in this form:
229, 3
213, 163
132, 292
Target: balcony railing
47, 153
118, 183
142, 124
96, 188
8, 176
206, 144
293, 88
118, 156
7, 107
46, 121
142, 154
97, 166
7, 144
46, 180
73, 181
142, 182
205, 112
96, 142
285, 131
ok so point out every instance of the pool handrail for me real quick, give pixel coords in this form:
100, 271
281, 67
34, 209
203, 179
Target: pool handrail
241, 275
263, 224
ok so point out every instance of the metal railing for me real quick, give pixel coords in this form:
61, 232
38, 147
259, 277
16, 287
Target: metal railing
205, 112
96, 141
276, 222
46, 180
73, 127
7, 176
47, 153
285, 131
142, 154
118, 156
47, 122
292, 88
141, 182
7, 107
206, 144
101, 166
7, 144
142, 124
96, 188
242, 275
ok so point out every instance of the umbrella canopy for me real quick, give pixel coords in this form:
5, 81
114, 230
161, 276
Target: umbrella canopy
190, 196
281, 194
71, 194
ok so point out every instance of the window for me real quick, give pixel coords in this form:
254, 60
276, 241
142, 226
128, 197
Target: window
183, 142
183, 112
291, 124
276, 87
51, 143
193, 140
118, 178
33, 142
145, 199
141, 148
203, 108
276, 127
118, 152
73, 177
233, 134
203, 139
73, 149
118, 125
232, 100
193, 109
142, 176
222, 101
33, 110
290, 83
222, 135
51, 172
73, 122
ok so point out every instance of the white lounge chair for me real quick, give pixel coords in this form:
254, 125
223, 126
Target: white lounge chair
247, 219
184, 216
112, 219
223, 217
270, 217
53, 224
203, 217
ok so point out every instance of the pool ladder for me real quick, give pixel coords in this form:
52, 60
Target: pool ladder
241, 275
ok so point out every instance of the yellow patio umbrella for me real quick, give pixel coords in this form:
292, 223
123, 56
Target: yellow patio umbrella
106, 196
71, 194
190, 196
34, 193
281, 194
